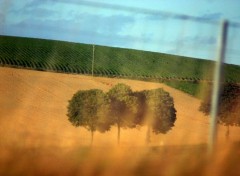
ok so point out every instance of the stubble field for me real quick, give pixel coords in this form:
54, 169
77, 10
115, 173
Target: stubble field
37, 138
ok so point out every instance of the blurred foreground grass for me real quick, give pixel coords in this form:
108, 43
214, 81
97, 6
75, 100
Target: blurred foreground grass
163, 160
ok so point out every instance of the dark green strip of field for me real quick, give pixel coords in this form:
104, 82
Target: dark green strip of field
58, 56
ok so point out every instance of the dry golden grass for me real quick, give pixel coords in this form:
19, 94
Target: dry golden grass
107, 161
37, 139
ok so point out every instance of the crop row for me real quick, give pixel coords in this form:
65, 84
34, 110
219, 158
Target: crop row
83, 70
42, 66
77, 58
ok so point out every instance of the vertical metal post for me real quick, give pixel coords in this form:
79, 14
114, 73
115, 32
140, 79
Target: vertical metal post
218, 77
93, 59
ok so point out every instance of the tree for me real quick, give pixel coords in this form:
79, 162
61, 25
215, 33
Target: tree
139, 116
160, 110
95, 110
122, 106
229, 105
87, 109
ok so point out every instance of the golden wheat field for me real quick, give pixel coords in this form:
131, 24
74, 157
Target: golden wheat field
36, 137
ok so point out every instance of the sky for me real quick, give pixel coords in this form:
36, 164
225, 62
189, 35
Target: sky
183, 27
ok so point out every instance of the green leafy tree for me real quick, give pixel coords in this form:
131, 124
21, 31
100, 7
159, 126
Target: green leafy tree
87, 108
229, 105
160, 112
122, 107
139, 116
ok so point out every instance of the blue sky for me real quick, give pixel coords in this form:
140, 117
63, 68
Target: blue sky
139, 24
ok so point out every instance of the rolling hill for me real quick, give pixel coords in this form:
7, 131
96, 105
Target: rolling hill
48, 55
34, 106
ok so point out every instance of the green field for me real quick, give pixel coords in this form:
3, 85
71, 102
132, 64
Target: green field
58, 56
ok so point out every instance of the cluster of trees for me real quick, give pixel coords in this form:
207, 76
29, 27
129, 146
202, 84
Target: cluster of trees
229, 105
120, 106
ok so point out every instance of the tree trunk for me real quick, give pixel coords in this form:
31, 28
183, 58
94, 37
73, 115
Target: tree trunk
118, 125
227, 133
148, 134
92, 133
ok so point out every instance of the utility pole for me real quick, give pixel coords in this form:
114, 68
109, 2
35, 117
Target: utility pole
218, 78
93, 52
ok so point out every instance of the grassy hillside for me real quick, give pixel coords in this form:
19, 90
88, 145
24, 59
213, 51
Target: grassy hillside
69, 57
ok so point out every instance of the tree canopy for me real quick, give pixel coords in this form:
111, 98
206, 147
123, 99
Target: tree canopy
95, 110
229, 105
87, 109
161, 107
122, 106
